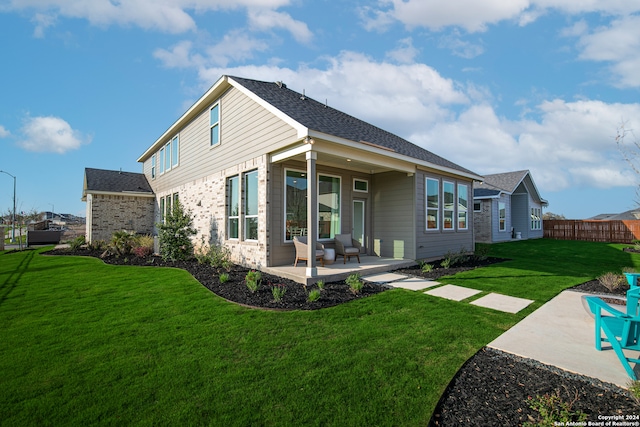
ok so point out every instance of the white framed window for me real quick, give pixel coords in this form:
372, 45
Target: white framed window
162, 212
153, 166
536, 218
175, 151
433, 203
295, 204
161, 161
214, 124
448, 205
250, 205
167, 156
233, 207
360, 185
502, 216
329, 206
463, 207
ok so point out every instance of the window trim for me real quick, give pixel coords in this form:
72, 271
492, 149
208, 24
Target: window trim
216, 124
436, 208
175, 151
244, 204
366, 181
460, 209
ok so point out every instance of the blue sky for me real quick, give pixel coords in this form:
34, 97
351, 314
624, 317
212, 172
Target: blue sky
494, 86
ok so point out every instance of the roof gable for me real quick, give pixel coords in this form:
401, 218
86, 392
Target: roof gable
509, 182
109, 181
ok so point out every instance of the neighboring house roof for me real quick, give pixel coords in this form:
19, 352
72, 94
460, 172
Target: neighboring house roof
104, 181
630, 214
310, 117
508, 183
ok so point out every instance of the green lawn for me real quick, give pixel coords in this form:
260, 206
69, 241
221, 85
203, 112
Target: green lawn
84, 343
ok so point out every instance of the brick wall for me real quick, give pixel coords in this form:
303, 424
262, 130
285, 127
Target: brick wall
482, 222
110, 213
205, 198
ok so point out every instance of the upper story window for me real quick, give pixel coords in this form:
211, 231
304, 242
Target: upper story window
175, 151
153, 166
161, 161
433, 203
214, 124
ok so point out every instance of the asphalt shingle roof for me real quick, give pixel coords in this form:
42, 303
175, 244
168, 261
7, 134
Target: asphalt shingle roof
115, 181
507, 181
321, 118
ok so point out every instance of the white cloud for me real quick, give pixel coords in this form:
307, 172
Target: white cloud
619, 44
172, 16
269, 19
460, 47
405, 53
4, 132
51, 134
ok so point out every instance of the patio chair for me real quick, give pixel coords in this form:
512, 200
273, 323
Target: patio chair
347, 247
300, 243
621, 330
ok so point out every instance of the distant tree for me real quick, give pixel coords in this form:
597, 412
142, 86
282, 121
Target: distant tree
551, 215
629, 146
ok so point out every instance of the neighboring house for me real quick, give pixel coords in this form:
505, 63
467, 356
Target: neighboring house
257, 164
632, 214
507, 206
117, 200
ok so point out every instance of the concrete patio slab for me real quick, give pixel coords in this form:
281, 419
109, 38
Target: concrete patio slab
561, 333
384, 277
504, 303
453, 292
414, 284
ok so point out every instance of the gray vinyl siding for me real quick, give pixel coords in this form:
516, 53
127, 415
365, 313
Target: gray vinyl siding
393, 217
432, 244
520, 216
247, 130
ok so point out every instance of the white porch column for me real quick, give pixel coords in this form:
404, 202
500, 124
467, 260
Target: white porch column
312, 213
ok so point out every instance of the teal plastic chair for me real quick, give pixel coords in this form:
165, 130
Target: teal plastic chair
621, 330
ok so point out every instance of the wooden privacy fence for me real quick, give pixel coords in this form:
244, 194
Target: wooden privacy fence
618, 231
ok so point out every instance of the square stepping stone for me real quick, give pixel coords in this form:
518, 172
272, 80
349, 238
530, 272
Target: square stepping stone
384, 277
502, 302
453, 292
414, 284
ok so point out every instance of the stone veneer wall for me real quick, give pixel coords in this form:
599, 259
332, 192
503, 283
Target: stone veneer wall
206, 199
112, 213
482, 222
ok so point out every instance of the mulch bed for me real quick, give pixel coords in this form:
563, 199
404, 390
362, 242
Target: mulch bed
492, 388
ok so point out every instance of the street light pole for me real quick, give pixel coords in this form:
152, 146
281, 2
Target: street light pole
13, 220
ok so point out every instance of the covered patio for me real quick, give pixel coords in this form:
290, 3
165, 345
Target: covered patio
369, 264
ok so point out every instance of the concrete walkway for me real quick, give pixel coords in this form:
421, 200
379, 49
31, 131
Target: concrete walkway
560, 333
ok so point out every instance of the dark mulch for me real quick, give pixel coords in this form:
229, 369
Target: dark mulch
235, 289
492, 388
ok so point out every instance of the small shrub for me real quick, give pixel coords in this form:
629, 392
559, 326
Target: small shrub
355, 284
445, 263
224, 277
142, 251
122, 243
278, 291
553, 411
611, 281
426, 268
174, 234
320, 284
252, 280
97, 245
77, 243
216, 256
314, 295
482, 252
